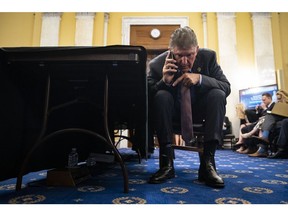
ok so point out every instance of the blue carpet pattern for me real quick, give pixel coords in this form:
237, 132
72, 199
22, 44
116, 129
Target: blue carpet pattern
247, 181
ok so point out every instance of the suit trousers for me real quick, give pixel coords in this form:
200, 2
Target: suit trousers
270, 121
209, 106
282, 141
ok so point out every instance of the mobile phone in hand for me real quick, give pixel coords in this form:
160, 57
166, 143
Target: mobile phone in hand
171, 55
178, 73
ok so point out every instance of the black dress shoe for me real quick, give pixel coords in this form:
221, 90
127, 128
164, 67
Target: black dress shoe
248, 151
279, 155
258, 154
162, 175
212, 179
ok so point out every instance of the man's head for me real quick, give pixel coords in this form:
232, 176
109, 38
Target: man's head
266, 98
184, 45
282, 96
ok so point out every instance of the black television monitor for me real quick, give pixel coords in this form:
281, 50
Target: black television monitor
251, 97
76, 94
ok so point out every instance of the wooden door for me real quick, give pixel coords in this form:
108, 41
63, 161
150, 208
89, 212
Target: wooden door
140, 35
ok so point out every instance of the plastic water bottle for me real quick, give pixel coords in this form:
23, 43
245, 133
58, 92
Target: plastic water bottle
91, 160
73, 158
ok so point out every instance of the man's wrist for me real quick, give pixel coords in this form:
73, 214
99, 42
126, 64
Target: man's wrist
166, 83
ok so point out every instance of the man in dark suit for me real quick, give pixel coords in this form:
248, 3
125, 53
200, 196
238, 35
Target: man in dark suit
198, 70
248, 146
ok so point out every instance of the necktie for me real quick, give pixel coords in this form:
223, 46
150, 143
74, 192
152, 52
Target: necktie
186, 116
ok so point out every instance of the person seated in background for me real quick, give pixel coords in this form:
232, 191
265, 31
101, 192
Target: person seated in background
268, 124
247, 117
282, 142
252, 128
282, 96
271, 119
247, 146
240, 112
261, 110
264, 133
249, 120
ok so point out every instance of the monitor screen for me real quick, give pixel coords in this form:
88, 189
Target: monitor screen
64, 87
251, 97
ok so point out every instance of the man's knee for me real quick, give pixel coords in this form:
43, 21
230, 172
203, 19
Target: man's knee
216, 96
163, 97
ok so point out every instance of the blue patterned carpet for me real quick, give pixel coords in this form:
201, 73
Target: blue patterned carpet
247, 181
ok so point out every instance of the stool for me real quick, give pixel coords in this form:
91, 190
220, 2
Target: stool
229, 138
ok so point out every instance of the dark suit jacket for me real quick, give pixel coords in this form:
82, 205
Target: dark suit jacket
264, 112
205, 64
